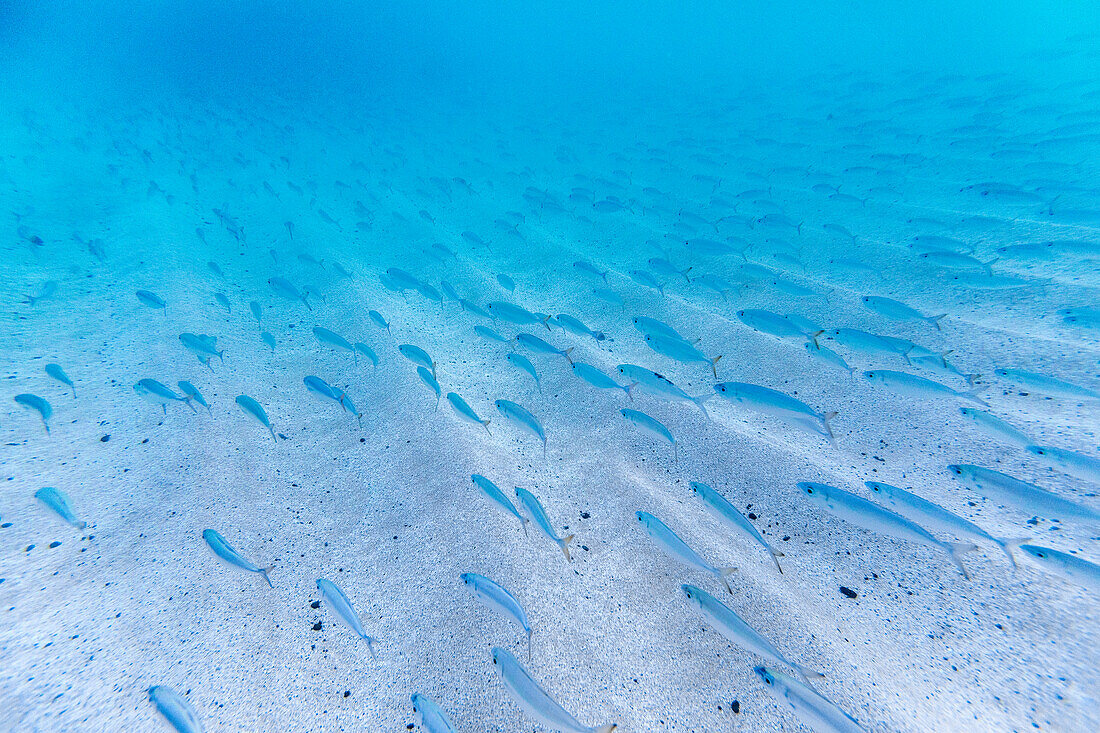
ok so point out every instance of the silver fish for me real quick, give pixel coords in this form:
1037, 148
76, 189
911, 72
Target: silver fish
225, 551
340, 604
534, 700
670, 543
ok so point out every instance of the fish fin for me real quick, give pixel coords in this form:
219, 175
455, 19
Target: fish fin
567, 357
264, 572
829, 428
1010, 544
565, 546
685, 274
606, 728
973, 395
700, 400
724, 574
370, 646
81, 525
776, 554
714, 365
523, 523
957, 550
486, 422
813, 337
807, 674
272, 431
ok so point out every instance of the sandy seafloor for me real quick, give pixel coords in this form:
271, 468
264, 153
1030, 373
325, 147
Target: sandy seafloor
387, 509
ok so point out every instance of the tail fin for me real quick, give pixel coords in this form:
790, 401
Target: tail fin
566, 355
776, 554
370, 646
714, 365
606, 728
523, 523
723, 574
807, 674
813, 338
1009, 544
564, 543
264, 572
973, 395
829, 428
957, 550
700, 400
936, 320
486, 422
685, 274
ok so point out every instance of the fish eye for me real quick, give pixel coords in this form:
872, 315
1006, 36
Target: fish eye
1040, 554
809, 491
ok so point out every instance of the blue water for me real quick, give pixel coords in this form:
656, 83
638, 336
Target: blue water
780, 249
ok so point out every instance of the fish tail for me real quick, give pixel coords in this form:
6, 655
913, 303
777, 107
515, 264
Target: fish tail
829, 428
370, 646
546, 322
523, 523
807, 674
714, 365
957, 550
700, 401
528, 645
264, 572
187, 401
306, 301
1008, 545
80, 525
564, 543
272, 431
935, 320
813, 337
723, 574
973, 395
606, 728
486, 422
685, 274
776, 554
568, 358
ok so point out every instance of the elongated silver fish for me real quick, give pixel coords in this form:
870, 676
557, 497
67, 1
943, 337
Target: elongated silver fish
225, 551
427, 378
156, 393
151, 300
776, 404
497, 597
465, 412
911, 384
597, 378
521, 417
652, 426
253, 408
1025, 497
534, 506
670, 543
534, 700
1070, 567
39, 405
175, 709
432, 717
334, 597
57, 501
1067, 461
738, 632
871, 516
734, 519
992, 425
418, 356
499, 498
680, 350
921, 510
898, 311
660, 386
55, 371
815, 711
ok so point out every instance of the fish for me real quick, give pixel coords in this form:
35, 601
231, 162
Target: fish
597, 378
176, 710
432, 717
499, 498
46, 292
490, 335
734, 519
474, 308
996, 427
378, 320
670, 543
326, 336
253, 408
828, 356
871, 516
512, 313
609, 296
361, 348
577, 327
429, 379
538, 346
918, 509
534, 700
257, 312
871, 343
815, 711
226, 552
282, 287
268, 339
153, 391
915, 386
465, 412
651, 426
202, 346
651, 383
770, 323
55, 371
496, 597
726, 622
1070, 567
647, 280
417, 356
191, 392
1047, 385
776, 404
662, 266
522, 418
506, 282
522, 363
1023, 496
151, 300
335, 598
590, 271
680, 350
223, 301
56, 500
652, 327
1074, 464
895, 310
534, 507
